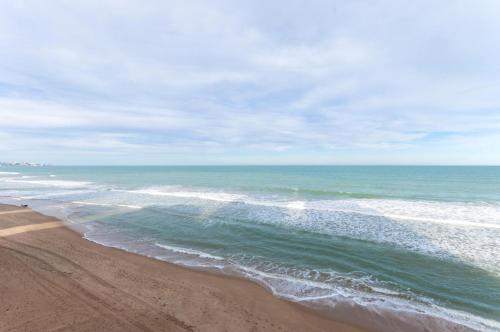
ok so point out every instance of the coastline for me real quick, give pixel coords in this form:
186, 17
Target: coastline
54, 279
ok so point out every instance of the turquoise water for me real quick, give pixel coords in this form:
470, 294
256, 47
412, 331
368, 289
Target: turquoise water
421, 239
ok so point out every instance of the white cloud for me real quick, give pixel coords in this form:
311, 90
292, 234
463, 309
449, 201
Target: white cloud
292, 77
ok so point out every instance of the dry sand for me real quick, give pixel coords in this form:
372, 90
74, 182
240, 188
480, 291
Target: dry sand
51, 279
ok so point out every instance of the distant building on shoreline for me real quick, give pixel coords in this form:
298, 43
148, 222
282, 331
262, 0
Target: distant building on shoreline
22, 164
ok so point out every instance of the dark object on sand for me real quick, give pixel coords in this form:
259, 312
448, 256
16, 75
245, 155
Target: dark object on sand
24, 205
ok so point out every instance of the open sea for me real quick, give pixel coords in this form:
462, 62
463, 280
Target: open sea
412, 241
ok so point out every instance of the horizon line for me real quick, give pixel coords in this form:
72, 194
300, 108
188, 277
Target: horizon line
254, 165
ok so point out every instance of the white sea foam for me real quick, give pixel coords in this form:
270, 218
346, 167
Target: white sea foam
212, 196
465, 214
466, 232
107, 204
9, 173
58, 194
53, 183
452, 213
189, 251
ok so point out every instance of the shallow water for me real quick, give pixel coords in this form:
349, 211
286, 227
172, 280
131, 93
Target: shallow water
425, 239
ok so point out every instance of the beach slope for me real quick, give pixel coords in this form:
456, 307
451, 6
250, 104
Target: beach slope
51, 279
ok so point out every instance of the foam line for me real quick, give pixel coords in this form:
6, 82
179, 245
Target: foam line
188, 251
107, 204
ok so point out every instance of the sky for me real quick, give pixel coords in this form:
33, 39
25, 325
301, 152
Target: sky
250, 82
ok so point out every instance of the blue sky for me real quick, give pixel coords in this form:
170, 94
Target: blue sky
250, 82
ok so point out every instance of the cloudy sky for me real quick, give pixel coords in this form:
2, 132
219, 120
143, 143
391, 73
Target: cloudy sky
250, 82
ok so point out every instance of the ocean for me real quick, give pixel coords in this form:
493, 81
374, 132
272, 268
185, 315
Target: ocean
417, 240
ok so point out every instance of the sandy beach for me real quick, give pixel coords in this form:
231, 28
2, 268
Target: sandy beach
51, 279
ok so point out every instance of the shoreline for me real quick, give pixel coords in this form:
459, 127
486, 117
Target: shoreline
53, 278
346, 315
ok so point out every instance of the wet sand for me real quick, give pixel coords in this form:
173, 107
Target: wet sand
51, 279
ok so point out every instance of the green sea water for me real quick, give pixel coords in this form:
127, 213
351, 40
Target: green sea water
425, 240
